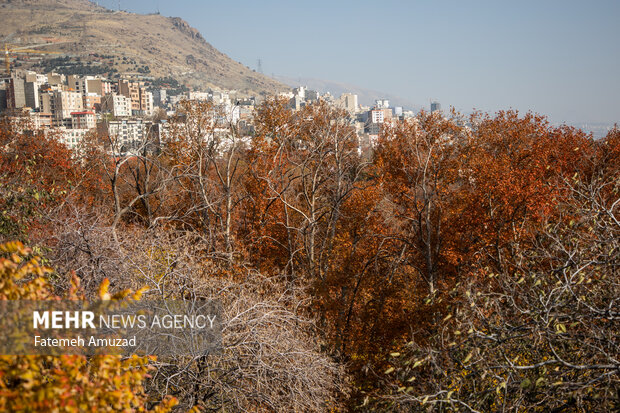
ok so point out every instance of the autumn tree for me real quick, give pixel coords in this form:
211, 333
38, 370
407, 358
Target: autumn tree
205, 145
36, 174
310, 216
69, 383
541, 334
308, 167
418, 161
513, 167
270, 359
462, 263
133, 173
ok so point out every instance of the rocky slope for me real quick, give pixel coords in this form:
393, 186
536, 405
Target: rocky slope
128, 42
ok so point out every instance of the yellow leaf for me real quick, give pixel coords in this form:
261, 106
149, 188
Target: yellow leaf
103, 289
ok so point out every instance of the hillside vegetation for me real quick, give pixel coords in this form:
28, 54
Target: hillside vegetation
127, 42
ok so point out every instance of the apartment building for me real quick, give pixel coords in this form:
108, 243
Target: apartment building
83, 120
118, 105
63, 102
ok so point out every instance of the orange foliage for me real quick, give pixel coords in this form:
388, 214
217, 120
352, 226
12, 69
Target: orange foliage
64, 383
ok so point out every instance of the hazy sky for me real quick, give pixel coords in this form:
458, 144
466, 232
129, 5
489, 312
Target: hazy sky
559, 58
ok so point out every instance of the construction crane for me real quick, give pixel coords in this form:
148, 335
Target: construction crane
8, 50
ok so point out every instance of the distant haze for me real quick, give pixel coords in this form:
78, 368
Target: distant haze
365, 97
558, 58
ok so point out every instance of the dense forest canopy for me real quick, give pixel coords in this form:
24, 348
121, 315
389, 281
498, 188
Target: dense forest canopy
458, 264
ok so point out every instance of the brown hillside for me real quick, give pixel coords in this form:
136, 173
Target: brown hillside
167, 45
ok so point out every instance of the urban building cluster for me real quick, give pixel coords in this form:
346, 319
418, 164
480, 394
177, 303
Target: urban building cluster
368, 119
72, 106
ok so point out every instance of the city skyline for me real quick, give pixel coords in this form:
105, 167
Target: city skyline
557, 58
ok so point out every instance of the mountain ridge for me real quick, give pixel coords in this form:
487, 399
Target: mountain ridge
168, 46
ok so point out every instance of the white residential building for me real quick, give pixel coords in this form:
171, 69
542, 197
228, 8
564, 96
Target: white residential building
348, 101
63, 103
127, 133
83, 120
118, 105
199, 96
70, 137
